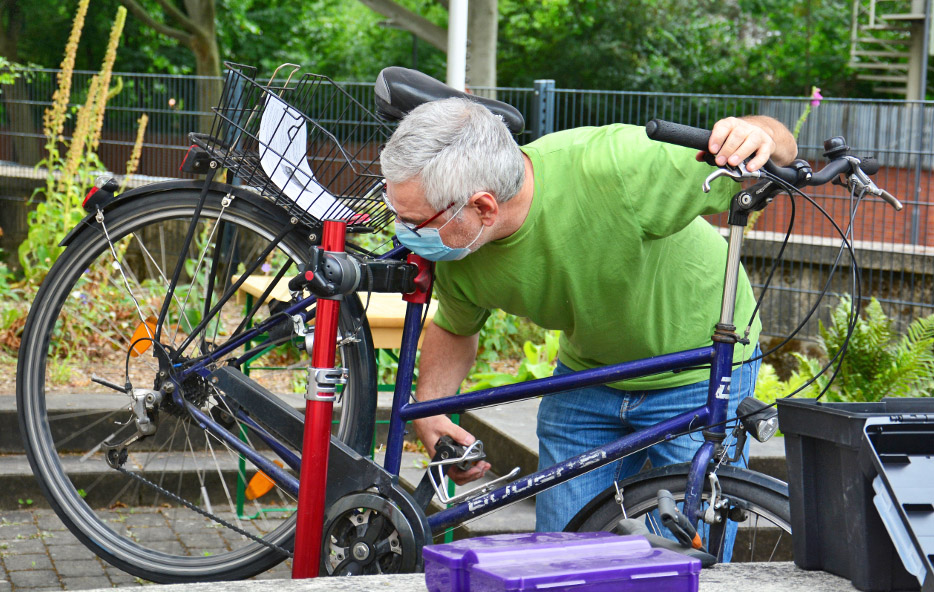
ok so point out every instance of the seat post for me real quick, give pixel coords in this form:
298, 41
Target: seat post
731, 279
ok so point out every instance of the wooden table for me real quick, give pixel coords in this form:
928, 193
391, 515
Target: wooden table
385, 313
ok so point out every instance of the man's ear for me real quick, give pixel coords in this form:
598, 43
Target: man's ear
486, 205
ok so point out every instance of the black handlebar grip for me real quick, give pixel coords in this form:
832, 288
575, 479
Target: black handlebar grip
869, 165
676, 133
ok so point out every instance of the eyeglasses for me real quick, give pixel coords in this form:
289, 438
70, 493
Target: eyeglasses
413, 227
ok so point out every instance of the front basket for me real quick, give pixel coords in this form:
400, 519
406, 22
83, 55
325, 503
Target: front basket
307, 145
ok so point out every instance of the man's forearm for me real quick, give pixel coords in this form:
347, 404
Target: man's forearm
445, 361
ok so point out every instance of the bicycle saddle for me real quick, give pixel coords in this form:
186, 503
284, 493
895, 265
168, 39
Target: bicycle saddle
399, 90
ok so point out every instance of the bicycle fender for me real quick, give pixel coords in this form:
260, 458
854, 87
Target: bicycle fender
147, 191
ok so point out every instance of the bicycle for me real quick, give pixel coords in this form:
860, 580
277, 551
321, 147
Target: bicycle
167, 259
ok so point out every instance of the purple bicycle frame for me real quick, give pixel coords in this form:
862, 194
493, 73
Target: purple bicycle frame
714, 411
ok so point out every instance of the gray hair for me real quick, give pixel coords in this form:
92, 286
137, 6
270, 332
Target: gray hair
454, 148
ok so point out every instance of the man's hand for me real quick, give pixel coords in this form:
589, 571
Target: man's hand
430, 429
734, 139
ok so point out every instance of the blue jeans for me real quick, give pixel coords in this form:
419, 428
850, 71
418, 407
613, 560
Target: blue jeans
573, 422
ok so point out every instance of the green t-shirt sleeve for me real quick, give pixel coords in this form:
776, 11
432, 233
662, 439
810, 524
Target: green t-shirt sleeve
456, 313
663, 187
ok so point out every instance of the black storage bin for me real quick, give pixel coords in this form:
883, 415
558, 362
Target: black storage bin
835, 526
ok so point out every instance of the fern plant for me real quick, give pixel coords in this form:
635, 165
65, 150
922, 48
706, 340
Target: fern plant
878, 362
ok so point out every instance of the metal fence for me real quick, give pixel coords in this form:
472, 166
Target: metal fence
896, 250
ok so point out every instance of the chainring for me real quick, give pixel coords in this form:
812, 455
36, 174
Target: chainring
367, 534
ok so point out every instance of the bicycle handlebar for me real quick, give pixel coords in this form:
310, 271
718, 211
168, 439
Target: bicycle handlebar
699, 139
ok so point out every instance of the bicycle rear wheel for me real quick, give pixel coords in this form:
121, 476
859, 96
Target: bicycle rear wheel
759, 504
87, 320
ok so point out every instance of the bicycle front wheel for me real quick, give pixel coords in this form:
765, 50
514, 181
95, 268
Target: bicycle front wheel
757, 505
93, 321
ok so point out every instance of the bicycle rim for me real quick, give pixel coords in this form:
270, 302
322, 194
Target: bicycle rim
100, 297
762, 534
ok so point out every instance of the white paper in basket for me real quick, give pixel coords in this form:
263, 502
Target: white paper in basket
283, 144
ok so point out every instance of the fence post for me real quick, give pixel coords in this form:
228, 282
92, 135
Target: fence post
543, 115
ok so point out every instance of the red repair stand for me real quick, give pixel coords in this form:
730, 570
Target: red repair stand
317, 436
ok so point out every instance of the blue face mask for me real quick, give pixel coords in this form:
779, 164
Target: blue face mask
427, 242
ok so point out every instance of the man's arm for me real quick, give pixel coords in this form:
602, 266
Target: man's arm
445, 361
734, 139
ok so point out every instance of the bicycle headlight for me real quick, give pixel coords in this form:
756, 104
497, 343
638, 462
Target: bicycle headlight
759, 419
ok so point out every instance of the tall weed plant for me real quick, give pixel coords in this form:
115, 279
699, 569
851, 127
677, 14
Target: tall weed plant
70, 164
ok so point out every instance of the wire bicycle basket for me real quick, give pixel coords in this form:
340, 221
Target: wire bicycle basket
307, 145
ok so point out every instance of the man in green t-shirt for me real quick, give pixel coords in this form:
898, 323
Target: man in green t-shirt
592, 231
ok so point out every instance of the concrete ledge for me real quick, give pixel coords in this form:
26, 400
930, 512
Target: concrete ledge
758, 577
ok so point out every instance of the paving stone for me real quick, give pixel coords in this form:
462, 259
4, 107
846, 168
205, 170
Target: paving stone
144, 519
24, 562
272, 576
78, 568
50, 522
18, 530
15, 516
204, 542
190, 526
68, 552
28, 545
85, 583
120, 578
5, 586
34, 579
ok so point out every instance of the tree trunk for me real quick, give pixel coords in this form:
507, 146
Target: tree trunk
27, 142
203, 44
482, 32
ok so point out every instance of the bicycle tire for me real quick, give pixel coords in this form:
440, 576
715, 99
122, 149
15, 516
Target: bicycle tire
69, 466
761, 496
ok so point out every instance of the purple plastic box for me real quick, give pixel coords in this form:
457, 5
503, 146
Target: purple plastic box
583, 562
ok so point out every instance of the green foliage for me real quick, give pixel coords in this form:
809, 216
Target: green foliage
769, 387
539, 362
503, 336
878, 362
10, 71
741, 47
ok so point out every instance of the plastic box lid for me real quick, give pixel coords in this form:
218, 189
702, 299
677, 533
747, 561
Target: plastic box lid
647, 570
454, 567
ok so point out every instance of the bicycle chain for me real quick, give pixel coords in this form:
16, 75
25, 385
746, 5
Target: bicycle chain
204, 513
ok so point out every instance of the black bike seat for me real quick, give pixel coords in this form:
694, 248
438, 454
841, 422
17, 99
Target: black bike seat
399, 90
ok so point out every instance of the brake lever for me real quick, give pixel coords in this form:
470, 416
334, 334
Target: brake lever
859, 180
737, 173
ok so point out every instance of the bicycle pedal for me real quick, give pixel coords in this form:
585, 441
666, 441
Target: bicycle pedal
449, 452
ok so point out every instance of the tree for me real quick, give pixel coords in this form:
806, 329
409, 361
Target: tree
194, 26
482, 33
26, 145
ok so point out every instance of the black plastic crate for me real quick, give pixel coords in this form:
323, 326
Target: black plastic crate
835, 526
